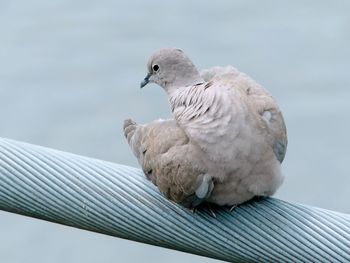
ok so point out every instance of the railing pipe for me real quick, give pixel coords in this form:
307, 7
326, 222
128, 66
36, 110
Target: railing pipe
117, 200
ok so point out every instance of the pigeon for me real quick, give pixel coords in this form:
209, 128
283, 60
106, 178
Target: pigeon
161, 148
225, 143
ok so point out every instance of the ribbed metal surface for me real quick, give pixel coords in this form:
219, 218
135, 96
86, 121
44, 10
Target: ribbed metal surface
117, 200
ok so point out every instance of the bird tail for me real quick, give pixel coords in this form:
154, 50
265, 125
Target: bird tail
129, 129
132, 135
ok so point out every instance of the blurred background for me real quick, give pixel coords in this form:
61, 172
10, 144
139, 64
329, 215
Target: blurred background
70, 74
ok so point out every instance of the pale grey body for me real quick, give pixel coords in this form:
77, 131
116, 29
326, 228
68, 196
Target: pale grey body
226, 142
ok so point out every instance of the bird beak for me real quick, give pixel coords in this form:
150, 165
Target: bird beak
145, 81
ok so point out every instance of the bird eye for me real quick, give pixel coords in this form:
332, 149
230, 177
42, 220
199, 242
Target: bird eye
155, 67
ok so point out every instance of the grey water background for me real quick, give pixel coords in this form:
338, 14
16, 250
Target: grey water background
70, 74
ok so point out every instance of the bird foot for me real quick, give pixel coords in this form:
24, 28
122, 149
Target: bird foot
211, 211
232, 208
207, 207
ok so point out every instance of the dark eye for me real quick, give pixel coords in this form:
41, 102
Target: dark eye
155, 67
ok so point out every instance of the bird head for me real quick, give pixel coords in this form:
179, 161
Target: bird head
170, 68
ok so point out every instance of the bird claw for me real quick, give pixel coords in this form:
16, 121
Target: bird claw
210, 208
206, 206
212, 212
232, 208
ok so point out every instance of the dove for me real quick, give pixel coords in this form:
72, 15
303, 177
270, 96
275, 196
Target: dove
161, 148
225, 143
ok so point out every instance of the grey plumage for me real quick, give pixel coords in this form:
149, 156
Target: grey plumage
162, 149
225, 143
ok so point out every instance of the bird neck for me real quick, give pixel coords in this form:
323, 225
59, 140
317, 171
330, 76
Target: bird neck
181, 85
186, 76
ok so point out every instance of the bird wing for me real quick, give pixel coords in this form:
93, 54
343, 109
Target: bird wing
169, 160
261, 102
275, 126
269, 114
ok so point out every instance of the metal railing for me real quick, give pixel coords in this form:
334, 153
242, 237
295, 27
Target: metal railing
117, 200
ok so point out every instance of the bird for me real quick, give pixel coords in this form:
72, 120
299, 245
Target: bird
225, 142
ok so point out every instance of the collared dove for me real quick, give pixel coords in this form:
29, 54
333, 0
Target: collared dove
226, 142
